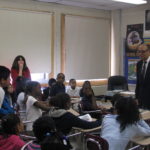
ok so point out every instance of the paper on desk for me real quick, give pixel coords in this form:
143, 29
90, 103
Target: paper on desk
86, 117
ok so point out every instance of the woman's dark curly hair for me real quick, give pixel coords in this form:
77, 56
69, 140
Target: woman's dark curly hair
15, 63
127, 110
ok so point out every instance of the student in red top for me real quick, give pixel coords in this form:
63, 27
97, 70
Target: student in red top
20, 73
11, 126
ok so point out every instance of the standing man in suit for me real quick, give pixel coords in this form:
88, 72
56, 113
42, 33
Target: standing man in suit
143, 77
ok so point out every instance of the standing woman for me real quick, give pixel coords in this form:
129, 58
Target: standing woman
19, 72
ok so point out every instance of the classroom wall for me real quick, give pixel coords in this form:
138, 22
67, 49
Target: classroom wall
134, 15
120, 19
57, 10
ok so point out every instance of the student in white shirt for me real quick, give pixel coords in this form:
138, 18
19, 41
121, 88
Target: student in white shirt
72, 90
34, 107
119, 128
2, 94
21, 102
21, 105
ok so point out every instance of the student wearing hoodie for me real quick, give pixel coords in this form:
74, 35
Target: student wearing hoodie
65, 120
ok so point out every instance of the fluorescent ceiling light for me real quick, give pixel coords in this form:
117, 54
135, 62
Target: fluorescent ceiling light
50, 1
136, 2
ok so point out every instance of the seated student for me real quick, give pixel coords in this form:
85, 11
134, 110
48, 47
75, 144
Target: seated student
65, 120
88, 103
46, 91
9, 138
21, 101
46, 136
86, 84
34, 106
119, 128
5, 107
21, 105
72, 90
10, 94
59, 87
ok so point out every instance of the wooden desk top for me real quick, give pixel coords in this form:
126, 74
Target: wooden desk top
127, 93
87, 130
106, 105
74, 101
141, 140
145, 114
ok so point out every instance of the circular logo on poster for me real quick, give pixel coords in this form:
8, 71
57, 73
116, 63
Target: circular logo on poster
133, 40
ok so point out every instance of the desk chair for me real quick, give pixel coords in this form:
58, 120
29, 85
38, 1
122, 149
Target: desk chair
117, 83
26, 145
94, 142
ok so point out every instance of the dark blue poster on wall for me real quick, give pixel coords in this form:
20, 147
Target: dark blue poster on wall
134, 37
147, 20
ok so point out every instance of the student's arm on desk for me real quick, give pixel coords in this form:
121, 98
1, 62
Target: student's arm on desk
142, 123
143, 134
79, 123
144, 128
42, 105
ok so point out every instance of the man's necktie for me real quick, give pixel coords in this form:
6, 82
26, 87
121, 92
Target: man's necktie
143, 69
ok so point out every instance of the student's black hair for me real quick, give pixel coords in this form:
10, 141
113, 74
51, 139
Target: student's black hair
52, 101
51, 81
30, 85
60, 74
4, 73
9, 124
15, 63
49, 144
61, 101
46, 134
128, 112
86, 83
115, 98
43, 126
71, 80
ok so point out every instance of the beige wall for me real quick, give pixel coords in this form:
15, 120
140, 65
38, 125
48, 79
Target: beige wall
132, 16
120, 18
57, 10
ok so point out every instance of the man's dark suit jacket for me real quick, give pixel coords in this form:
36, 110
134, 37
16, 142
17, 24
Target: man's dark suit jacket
143, 86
